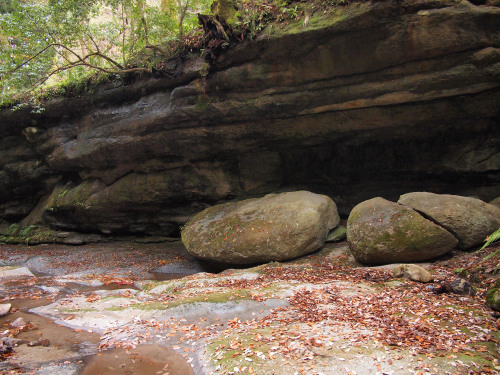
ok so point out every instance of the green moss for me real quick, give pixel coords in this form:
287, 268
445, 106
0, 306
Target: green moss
139, 306
29, 235
221, 353
225, 10
319, 20
353, 217
493, 298
217, 297
202, 103
67, 310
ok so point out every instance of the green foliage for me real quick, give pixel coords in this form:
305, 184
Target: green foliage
495, 236
6, 6
255, 15
66, 44
29, 235
54, 42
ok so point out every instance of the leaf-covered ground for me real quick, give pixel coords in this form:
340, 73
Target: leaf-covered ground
321, 314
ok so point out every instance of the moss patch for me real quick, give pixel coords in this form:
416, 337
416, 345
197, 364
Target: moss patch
319, 19
216, 297
28, 235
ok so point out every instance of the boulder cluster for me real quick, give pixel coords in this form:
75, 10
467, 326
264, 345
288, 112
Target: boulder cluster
419, 227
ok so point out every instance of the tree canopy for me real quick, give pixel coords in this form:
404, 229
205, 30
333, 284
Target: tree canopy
55, 40
47, 43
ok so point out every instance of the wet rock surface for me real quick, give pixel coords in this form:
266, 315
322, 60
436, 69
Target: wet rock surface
99, 309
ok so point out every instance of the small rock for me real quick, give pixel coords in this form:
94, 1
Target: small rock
5, 350
337, 234
11, 341
413, 272
5, 308
460, 286
18, 323
457, 286
40, 342
74, 240
63, 234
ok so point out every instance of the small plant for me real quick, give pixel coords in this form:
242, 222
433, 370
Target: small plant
495, 236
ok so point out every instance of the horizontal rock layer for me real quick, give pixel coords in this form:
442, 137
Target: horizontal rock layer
380, 100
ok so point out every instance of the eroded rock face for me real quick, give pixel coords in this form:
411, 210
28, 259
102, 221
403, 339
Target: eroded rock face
469, 219
381, 232
386, 98
273, 228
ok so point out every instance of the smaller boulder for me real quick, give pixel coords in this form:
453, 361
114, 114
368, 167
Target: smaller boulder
383, 232
413, 272
469, 219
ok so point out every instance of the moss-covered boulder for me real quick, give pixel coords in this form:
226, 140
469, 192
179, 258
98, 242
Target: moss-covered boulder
493, 296
381, 232
273, 228
469, 219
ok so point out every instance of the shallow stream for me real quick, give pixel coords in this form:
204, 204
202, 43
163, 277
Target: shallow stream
59, 272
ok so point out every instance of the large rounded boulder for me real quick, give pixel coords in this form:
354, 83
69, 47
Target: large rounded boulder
273, 228
469, 219
381, 232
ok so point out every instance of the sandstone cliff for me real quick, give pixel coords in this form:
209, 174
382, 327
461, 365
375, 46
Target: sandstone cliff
382, 99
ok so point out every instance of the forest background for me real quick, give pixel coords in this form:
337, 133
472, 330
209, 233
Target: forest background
55, 47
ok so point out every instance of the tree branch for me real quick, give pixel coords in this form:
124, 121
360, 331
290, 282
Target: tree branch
157, 48
92, 66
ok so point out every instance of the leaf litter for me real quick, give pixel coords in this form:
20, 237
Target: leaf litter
333, 311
